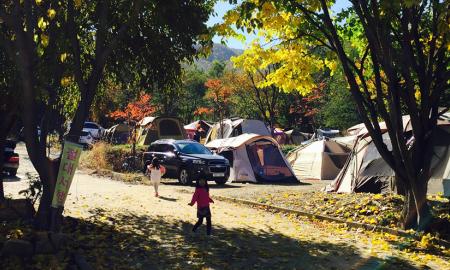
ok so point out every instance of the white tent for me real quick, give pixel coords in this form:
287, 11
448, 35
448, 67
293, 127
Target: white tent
320, 160
254, 158
235, 127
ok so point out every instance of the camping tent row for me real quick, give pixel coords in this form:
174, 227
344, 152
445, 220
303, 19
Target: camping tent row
151, 129
254, 158
228, 128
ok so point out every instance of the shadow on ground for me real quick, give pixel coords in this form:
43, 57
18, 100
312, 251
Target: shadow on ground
128, 241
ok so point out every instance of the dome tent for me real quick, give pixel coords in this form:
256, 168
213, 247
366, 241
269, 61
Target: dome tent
151, 129
321, 160
254, 158
235, 127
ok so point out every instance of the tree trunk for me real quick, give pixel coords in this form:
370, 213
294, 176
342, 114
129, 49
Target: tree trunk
416, 213
424, 217
409, 217
2, 150
43, 215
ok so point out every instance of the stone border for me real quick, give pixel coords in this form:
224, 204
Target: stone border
358, 225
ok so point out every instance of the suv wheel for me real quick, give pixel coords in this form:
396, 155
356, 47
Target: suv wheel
221, 182
184, 177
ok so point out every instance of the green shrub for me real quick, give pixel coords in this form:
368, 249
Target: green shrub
286, 148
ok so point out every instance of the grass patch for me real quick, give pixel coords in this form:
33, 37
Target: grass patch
286, 148
105, 156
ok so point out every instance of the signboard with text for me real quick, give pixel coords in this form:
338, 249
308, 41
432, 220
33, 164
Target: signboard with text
69, 163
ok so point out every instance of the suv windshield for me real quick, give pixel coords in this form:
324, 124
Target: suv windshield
193, 148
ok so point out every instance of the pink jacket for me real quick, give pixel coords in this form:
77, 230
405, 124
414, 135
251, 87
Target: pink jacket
201, 197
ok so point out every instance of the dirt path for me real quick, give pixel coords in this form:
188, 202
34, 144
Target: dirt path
155, 233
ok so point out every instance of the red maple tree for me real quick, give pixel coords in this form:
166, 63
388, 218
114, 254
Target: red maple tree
135, 110
219, 94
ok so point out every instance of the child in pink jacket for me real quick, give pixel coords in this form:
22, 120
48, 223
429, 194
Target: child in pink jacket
201, 197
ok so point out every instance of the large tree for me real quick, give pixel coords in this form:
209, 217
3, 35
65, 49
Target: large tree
401, 61
64, 48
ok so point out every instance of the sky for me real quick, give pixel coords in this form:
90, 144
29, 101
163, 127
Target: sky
222, 6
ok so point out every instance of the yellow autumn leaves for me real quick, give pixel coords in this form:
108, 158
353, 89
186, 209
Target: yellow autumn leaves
292, 64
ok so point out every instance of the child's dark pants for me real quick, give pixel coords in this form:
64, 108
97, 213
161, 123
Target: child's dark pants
200, 221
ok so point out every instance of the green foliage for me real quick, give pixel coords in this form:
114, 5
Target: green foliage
286, 148
217, 69
338, 109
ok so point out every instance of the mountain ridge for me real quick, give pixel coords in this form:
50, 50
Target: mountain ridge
219, 52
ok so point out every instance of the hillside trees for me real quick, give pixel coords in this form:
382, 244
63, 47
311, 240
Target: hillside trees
66, 48
401, 61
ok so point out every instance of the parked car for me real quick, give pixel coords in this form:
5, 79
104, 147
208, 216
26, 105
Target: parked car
95, 129
188, 160
86, 139
10, 158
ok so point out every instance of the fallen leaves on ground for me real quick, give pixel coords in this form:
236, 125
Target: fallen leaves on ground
373, 209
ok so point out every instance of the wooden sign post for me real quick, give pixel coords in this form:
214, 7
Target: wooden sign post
69, 163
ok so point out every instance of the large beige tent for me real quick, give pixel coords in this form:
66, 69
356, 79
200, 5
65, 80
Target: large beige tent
151, 129
366, 171
321, 160
254, 158
235, 127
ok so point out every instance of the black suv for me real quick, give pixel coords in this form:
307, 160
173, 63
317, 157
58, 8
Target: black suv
188, 160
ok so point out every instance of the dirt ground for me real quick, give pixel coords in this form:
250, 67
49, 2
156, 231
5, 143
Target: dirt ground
243, 237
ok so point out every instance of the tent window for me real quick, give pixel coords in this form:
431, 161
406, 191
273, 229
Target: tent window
169, 128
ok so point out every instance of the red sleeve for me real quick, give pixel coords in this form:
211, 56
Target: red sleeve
210, 200
194, 197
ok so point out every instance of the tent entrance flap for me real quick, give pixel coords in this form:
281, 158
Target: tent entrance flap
267, 162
